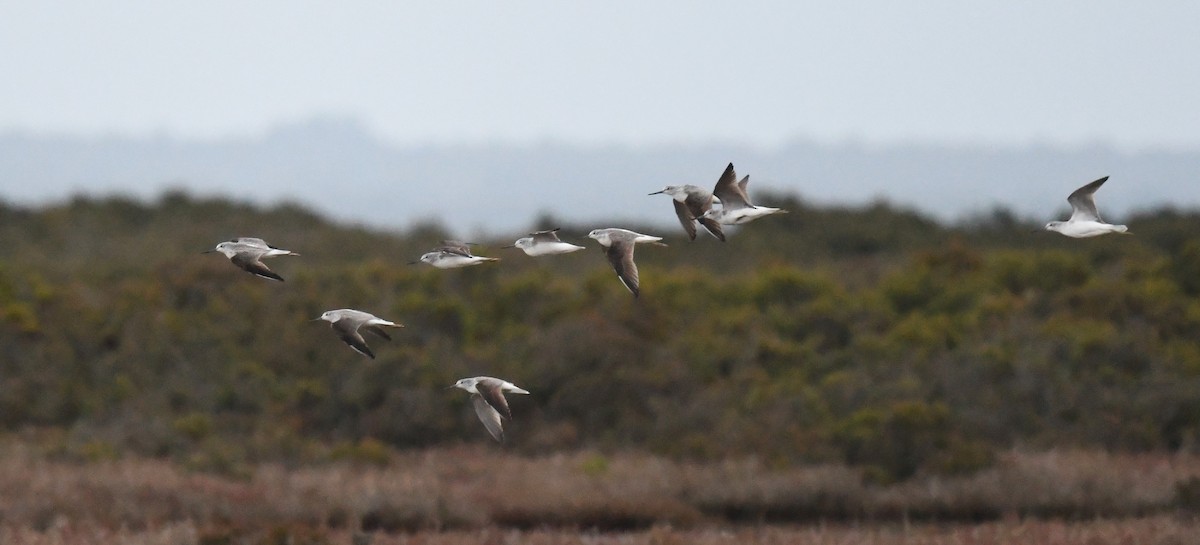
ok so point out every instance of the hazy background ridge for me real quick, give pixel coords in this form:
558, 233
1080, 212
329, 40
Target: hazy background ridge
340, 168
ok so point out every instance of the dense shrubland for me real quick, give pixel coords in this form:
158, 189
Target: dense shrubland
870, 336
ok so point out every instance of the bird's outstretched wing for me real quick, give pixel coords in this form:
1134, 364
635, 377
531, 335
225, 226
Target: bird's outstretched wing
620, 255
252, 265
348, 333
489, 417
1083, 202
549, 235
686, 219
731, 193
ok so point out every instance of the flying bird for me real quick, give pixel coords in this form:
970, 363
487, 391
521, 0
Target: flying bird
1085, 219
248, 252
691, 202
544, 243
452, 254
347, 322
618, 246
736, 207
487, 394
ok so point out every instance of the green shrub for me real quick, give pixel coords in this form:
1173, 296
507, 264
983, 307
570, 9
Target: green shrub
366, 451
194, 426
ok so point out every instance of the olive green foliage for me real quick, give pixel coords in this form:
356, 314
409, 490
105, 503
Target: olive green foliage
872, 336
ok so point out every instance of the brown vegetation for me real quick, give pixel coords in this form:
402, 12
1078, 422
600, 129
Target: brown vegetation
465, 491
1159, 530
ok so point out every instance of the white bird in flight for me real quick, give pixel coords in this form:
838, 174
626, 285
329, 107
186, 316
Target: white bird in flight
691, 202
248, 252
453, 254
618, 246
544, 243
736, 207
346, 322
487, 394
1085, 219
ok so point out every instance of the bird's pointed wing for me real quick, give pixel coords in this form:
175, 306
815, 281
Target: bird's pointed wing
549, 235
252, 265
489, 388
713, 227
1083, 202
728, 190
454, 247
255, 243
348, 333
698, 204
686, 219
378, 331
742, 186
252, 241
620, 255
489, 417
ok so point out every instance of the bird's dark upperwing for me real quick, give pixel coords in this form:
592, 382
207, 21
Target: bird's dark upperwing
349, 335
713, 227
620, 255
729, 191
548, 235
378, 331
686, 219
254, 266
454, 247
698, 205
491, 392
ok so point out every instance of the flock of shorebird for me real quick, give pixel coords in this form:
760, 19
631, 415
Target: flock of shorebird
693, 204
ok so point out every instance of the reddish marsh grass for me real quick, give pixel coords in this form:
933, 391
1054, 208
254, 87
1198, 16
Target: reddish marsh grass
1158, 530
458, 493
1146, 531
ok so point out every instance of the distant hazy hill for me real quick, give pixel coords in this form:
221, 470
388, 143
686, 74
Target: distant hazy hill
342, 170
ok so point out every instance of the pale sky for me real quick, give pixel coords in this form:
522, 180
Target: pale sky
754, 73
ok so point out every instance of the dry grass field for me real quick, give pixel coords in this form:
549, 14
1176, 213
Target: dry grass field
1159, 530
478, 495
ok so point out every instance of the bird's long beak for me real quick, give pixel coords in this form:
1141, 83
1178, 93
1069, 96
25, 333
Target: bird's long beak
507, 247
208, 251
657, 192
413, 262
